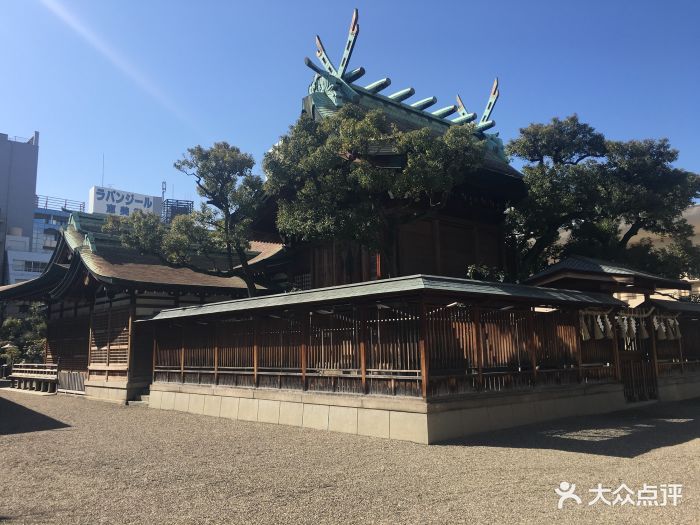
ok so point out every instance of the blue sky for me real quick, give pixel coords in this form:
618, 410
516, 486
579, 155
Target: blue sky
141, 81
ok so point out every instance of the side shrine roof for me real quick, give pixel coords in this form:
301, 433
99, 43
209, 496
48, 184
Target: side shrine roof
578, 267
684, 307
496, 293
84, 245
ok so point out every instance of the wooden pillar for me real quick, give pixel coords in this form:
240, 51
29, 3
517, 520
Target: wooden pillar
476, 312
577, 345
256, 327
303, 347
216, 353
130, 337
680, 350
363, 346
182, 353
616, 350
109, 336
155, 352
422, 346
90, 314
654, 357
533, 342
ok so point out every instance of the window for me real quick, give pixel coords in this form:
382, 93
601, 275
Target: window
35, 266
29, 266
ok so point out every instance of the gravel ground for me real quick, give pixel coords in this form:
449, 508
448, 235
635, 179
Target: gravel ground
66, 459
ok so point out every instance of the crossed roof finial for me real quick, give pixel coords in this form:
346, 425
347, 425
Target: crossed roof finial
346, 79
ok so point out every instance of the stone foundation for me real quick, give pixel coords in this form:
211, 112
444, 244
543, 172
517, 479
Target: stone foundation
401, 418
114, 391
677, 388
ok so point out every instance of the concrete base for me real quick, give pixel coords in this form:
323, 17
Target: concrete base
114, 391
400, 418
677, 388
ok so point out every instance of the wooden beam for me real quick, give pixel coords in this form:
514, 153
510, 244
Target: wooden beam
303, 347
92, 306
532, 349
476, 312
654, 357
109, 335
616, 351
255, 350
155, 352
577, 345
363, 345
130, 336
182, 353
216, 353
422, 346
680, 350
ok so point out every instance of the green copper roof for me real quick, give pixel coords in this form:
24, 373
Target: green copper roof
479, 291
332, 87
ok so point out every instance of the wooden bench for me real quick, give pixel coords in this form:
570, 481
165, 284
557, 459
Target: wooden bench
39, 377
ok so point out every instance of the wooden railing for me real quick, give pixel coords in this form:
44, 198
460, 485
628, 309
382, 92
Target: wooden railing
416, 347
408, 347
34, 376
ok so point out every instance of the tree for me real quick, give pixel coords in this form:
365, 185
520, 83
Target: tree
224, 177
215, 239
589, 196
22, 339
563, 181
329, 183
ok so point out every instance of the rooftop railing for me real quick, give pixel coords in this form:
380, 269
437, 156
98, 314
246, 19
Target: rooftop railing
56, 203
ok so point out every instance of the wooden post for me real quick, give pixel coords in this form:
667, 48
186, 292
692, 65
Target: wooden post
303, 347
109, 336
130, 337
577, 346
92, 306
255, 351
423, 334
616, 351
216, 353
532, 350
363, 346
476, 312
182, 353
155, 353
654, 358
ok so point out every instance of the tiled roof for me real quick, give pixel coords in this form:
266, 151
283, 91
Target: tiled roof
457, 288
587, 265
108, 261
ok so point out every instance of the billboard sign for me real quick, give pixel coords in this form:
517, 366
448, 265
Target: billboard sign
123, 203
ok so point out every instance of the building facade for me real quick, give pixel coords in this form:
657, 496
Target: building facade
27, 256
19, 158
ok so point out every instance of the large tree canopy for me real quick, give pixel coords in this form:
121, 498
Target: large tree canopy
215, 239
329, 183
590, 196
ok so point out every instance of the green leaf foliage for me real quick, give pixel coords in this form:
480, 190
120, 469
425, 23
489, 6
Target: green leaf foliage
595, 197
331, 183
23, 337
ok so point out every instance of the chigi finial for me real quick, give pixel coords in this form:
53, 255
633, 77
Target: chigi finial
339, 85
